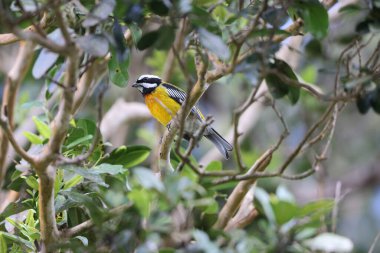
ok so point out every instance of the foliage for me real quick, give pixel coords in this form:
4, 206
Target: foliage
113, 195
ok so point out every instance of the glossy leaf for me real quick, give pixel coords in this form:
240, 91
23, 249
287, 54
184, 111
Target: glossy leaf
118, 69
279, 88
42, 127
166, 38
147, 40
75, 180
314, 16
127, 156
81, 140
34, 139
214, 43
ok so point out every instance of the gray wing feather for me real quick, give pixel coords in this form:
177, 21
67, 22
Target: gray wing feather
179, 96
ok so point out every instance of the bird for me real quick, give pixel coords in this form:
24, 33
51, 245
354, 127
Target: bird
164, 100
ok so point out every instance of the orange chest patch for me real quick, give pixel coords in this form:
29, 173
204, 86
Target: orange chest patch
161, 106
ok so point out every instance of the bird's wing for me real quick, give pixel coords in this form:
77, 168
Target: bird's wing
179, 96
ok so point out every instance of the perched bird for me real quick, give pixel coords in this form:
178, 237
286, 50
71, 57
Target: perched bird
164, 100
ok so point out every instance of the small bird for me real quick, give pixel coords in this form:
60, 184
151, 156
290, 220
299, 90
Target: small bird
164, 100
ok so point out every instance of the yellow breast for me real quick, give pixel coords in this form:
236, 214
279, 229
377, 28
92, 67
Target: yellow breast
161, 106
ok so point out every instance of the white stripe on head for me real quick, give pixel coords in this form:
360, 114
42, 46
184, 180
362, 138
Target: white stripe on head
147, 76
148, 85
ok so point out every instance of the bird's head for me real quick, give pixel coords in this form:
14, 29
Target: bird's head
147, 83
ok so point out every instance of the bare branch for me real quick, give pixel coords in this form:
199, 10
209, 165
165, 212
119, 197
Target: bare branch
13, 82
197, 91
237, 195
4, 123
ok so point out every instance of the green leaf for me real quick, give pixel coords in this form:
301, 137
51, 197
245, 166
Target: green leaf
214, 166
3, 244
89, 174
264, 200
111, 169
118, 69
88, 201
284, 211
279, 88
201, 18
148, 179
34, 139
14, 208
75, 180
161, 39
214, 43
158, 7
42, 127
147, 40
32, 182
316, 208
135, 32
79, 141
18, 240
166, 38
329, 242
127, 156
100, 12
142, 199
314, 16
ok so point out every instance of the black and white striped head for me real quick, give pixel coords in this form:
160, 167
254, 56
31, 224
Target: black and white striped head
147, 83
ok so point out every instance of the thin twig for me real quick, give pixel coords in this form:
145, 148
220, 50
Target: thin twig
4, 123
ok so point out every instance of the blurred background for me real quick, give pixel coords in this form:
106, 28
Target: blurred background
352, 171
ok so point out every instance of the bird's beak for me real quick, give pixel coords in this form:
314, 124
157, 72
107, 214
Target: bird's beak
135, 85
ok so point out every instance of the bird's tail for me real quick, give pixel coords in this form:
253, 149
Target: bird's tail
223, 146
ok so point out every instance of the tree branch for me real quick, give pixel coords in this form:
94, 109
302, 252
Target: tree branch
13, 81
